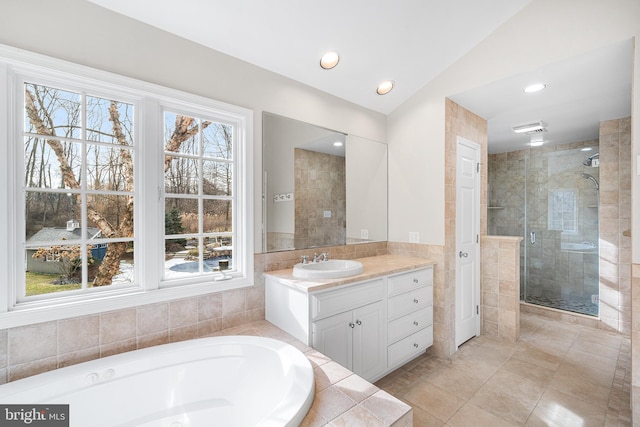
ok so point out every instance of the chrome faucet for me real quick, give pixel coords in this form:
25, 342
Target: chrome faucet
305, 259
316, 258
324, 256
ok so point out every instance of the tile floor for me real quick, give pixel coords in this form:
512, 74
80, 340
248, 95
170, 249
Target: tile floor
557, 374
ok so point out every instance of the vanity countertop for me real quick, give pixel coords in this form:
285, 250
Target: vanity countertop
375, 266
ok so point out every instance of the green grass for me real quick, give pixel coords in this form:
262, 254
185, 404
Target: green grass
40, 283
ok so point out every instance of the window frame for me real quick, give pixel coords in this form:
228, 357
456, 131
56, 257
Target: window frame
149, 100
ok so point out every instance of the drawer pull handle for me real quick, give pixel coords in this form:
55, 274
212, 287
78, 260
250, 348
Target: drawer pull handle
351, 325
358, 322
416, 345
416, 300
415, 323
415, 280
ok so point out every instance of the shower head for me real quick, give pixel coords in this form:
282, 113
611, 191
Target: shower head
595, 181
589, 159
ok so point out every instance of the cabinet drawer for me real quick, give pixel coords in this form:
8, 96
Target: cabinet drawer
409, 347
332, 302
409, 281
409, 324
410, 301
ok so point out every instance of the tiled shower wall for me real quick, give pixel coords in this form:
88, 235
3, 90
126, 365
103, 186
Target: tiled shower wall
615, 225
319, 188
500, 299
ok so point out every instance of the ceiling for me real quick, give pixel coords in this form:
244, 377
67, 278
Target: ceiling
407, 41
581, 92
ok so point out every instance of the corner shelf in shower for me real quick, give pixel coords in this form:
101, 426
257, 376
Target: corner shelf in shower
495, 207
593, 206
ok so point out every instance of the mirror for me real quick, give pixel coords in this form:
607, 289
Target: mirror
321, 187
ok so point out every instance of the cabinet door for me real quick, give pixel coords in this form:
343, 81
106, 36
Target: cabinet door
369, 344
333, 337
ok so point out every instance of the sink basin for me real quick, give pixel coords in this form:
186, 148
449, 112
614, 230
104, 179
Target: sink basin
332, 269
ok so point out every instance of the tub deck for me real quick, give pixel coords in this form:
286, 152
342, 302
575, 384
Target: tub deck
341, 397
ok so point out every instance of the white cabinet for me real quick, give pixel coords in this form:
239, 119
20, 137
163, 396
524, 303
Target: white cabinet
410, 316
370, 327
354, 339
348, 325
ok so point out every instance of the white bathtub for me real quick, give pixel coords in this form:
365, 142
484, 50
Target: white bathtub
221, 381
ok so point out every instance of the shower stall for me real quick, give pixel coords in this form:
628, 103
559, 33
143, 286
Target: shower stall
550, 197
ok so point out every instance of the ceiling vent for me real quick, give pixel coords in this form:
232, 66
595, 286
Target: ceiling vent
530, 129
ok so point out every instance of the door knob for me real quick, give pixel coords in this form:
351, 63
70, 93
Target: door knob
463, 254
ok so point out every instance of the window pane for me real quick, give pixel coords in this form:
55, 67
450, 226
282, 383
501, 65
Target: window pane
181, 216
181, 134
217, 249
217, 140
181, 176
116, 210
43, 167
52, 216
104, 272
50, 111
109, 168
216, 178
109, 121
53, 268
182, 262
217, 216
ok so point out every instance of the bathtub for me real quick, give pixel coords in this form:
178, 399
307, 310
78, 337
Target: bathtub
220, 381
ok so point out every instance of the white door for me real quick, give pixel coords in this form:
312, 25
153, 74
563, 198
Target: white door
467, 240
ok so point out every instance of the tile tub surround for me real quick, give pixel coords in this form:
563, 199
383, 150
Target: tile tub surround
32, 349
341, 397
500, 276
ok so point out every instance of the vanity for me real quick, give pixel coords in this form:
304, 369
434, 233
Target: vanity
371, 323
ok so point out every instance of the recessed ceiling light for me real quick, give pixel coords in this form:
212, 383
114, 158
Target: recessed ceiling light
536, 142
384, 87
329, 60
586, 149
338, 144
537, 87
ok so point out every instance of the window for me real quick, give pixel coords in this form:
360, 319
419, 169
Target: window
127, 193
563, 213
78, 191
199, 200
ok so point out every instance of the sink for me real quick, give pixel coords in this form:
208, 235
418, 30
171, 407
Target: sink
332, 269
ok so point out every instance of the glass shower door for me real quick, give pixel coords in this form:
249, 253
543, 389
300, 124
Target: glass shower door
561, 230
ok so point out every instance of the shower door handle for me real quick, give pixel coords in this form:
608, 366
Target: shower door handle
532, 237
